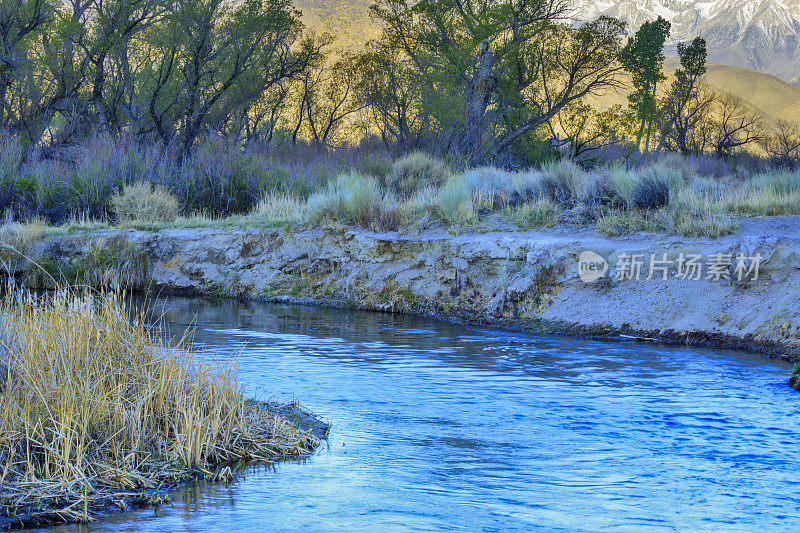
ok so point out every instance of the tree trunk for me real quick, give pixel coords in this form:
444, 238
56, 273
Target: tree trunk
650, 121
478, 92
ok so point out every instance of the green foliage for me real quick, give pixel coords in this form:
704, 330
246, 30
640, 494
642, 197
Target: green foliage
600, 189
687, 103
376, 166
650, 190
282, 207
760, 202
454, 201
618, 223
465, 66
781, 182
622, 181
693, 65
219, 178
643, 58
11, 157
531, 215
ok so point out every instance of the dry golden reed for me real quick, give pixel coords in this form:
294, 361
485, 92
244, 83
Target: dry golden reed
97, 409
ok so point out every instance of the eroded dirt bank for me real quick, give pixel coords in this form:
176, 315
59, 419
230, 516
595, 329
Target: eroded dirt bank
525, 280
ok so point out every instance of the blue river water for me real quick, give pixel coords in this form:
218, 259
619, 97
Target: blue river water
440, 427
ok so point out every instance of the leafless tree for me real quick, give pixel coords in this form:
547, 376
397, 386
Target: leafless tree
782, 143
735, 125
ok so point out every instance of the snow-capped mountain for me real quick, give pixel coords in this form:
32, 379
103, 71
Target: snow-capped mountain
758, 34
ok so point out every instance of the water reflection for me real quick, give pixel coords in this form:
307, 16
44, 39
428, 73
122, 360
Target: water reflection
440, 427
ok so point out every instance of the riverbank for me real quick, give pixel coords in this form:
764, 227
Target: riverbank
100, 413
519, 280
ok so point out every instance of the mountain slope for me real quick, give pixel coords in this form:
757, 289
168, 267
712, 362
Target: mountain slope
769, 96
762, 35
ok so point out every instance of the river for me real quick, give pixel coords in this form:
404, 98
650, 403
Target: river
439, 427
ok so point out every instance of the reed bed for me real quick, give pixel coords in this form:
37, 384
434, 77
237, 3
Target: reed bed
97, 410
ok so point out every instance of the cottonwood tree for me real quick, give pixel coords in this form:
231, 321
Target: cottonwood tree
643, 58
332, 100
387, 91
306, 86
493, 71
688, 102
22, 23
107, 28
261, 99
585, 129
204, 50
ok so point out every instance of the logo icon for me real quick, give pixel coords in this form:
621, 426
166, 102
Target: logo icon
591, 266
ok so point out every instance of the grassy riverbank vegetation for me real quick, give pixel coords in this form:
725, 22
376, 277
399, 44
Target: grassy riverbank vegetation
671, 193
147, 113
99, 412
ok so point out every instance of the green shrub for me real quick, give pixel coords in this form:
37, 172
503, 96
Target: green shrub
622, 180
416, 171
675, 177
11, 155
675, 163
220, 179
144, 202
374, 165
618, 223
487, 177
765, 202
491, 187
706, 188
679, 221
780, 182
650, 190
690, 223
454, 201
599, 189
16, 238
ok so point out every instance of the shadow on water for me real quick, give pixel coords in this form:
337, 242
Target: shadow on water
436, 426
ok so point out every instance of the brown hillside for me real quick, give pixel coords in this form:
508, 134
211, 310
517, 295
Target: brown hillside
764, 94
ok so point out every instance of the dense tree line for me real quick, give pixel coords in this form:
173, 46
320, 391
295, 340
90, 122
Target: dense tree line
499, 80
161, 69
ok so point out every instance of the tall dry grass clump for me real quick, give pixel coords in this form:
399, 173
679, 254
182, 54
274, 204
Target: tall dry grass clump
416, 171
281, 207
145, 202
96, 409
16, 239
350, 198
